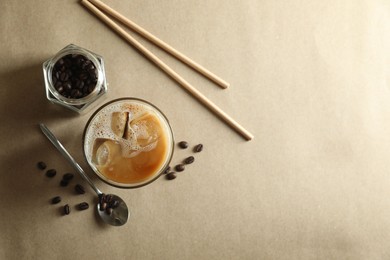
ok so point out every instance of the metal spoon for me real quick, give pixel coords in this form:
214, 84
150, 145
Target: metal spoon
120, 214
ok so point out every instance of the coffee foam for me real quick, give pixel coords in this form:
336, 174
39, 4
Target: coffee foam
100, 127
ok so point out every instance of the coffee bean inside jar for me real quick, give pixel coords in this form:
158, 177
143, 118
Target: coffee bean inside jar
74, 76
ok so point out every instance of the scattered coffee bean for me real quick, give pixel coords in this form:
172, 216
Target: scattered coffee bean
83, 206
68, 176
74, 76
51, 173
171, 176
180, 167
189, 160
79, 189
56, 199
64, 183
198, 148
66, 209
41, 165
167, 170
183, 144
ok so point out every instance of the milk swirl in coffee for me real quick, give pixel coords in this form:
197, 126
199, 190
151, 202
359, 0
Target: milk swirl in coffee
128, 142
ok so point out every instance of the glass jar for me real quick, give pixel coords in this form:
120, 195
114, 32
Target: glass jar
80, 103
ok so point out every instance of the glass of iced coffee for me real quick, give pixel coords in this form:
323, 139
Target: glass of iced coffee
128, 142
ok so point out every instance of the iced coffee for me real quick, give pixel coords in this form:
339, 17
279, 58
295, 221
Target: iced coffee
128, 142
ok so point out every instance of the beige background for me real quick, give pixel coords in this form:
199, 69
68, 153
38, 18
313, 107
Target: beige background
310, 79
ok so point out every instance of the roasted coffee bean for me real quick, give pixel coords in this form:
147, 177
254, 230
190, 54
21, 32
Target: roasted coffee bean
83, 76
55, 80
114, 204
91, 68
108, 198
85, 89
64, 76
75, 93
180, 167
91, 87
189, 160
60, 62
198, 148
79, 60
64, 183
58, 84
68, 176
109, 211
74, 72
77, 83
60, 89
83, 206
41, 165
81, 86
171, 176
79, 189
102, 206
51, 173
56, 199
167, 170
101, 198
66, 209
67, 86
183, 144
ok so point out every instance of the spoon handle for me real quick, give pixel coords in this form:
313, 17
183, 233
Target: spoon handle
70, 159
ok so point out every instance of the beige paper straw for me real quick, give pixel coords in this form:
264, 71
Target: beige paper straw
187, 86
208, 74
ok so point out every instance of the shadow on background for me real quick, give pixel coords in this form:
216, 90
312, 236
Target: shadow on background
24, 99
22, 184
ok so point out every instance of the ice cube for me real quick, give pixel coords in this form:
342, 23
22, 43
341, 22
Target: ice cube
118, 123
146, 129
107, 152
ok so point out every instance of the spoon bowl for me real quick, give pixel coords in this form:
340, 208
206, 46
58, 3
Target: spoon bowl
119, 214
